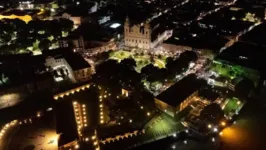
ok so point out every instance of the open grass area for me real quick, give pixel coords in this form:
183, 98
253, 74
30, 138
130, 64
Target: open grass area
141, 60
231, 71
162, 125
232, 105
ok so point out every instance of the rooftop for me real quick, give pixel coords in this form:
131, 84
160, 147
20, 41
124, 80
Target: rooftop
75, 60
245, 54
254, 36
178, 92
65, 122
80, 10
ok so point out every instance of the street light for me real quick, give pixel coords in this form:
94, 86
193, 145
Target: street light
221, 133
213, 139
185, 142
223, 123
209, 126
173, 147
76, 146
215, 129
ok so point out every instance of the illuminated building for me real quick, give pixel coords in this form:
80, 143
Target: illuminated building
77, 68
25, 18
24, 15
77, 13
179, 96
145, 35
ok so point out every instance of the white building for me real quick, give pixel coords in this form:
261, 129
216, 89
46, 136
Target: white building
144, 35
79, 70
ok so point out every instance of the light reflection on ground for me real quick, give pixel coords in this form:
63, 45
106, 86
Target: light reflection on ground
248, 132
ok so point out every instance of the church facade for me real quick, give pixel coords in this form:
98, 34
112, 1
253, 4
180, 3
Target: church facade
144, 35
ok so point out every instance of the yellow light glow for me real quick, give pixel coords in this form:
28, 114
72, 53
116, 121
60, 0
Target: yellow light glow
93, 137
101, 105
102, 121
25, 18
209, 126
95, 143
77, 146
238, 102
83, 105
221, 133
86, 139
223, 123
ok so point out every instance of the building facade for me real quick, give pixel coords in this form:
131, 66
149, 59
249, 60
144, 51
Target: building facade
137, 35
174, 110
76, 72
144, 35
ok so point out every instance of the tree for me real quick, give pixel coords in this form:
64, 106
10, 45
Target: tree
45, 44
18, 24
66, 24
129, 62
243, 88
189, 56
3, 78
5, 38
146, 71
212, 113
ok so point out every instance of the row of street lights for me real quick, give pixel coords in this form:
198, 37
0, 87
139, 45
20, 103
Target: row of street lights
6, 127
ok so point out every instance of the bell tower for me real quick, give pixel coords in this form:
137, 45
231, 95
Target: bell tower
126, 26
147, 29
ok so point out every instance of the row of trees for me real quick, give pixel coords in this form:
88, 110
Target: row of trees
174, 67
16, 35
112, 73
